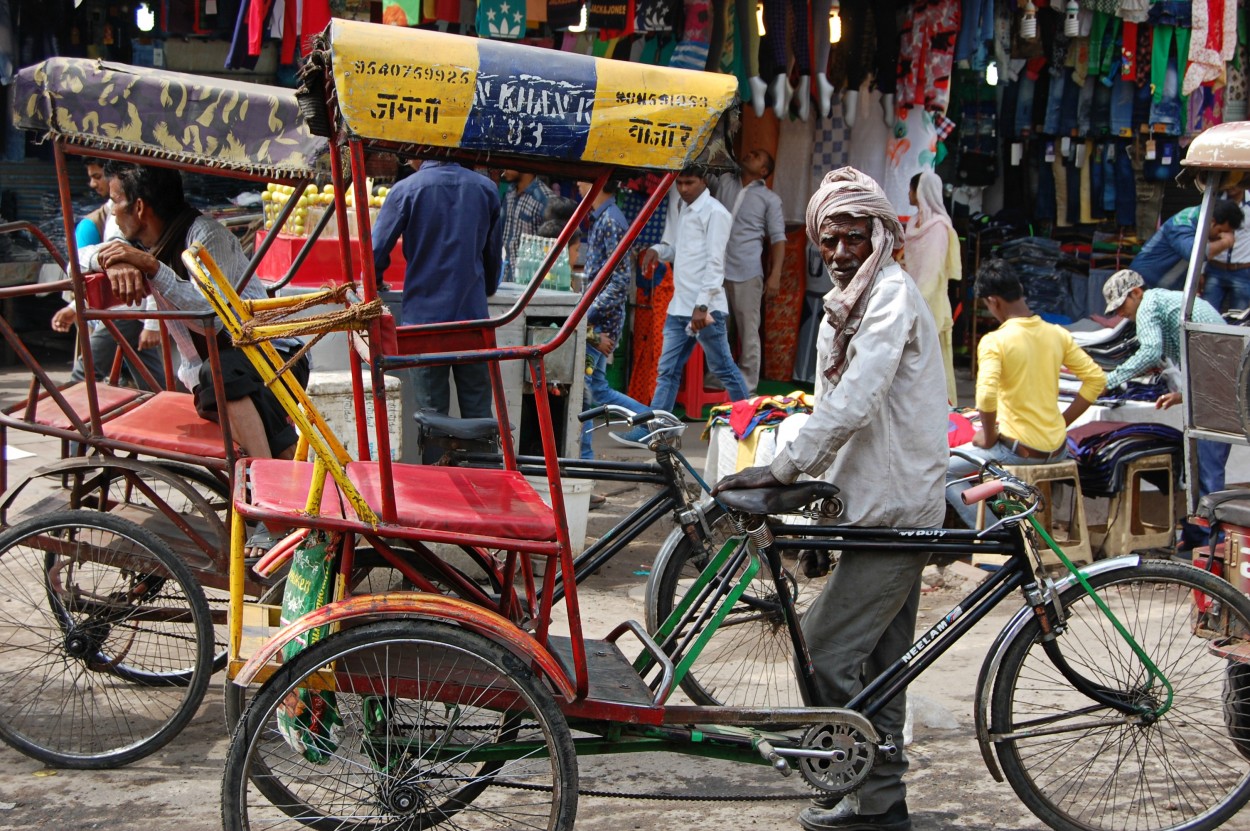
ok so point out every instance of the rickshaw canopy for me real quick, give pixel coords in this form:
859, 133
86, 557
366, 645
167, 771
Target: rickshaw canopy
1222, 147
399, 86
188, 119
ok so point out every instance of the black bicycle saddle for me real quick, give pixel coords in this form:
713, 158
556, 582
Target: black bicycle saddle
1230, 506
436, 425
779, 500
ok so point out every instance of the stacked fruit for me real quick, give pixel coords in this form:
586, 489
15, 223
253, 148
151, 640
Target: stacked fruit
298, 223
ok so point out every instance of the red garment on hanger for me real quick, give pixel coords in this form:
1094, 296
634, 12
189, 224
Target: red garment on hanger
257, 19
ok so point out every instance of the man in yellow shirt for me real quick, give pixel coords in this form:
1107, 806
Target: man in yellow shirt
1018, 385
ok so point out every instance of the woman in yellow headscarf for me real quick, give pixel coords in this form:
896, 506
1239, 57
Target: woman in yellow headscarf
931, 257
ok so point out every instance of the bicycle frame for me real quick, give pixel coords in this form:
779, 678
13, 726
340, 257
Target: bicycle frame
1016, 574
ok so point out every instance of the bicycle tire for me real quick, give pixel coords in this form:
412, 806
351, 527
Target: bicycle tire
108, 640
402, 693
749, 661
1096, 772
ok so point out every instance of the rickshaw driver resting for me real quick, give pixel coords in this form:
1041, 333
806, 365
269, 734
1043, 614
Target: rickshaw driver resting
879, 432
152, 213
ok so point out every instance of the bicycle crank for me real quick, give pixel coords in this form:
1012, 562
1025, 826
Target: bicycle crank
834, 757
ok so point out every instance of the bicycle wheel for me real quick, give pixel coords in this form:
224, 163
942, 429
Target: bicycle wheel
1090, 767
107, 642
402, 724
749, 661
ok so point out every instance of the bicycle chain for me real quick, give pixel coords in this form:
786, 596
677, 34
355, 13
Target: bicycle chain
664, 797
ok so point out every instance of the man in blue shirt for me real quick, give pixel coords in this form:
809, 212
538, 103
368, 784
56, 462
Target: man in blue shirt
606, 317
1163, 258
449, 218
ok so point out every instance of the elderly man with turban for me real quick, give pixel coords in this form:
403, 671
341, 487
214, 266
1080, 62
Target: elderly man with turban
879, 432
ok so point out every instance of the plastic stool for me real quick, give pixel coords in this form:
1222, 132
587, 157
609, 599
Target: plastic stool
1072, 538
1127, 531
692, 395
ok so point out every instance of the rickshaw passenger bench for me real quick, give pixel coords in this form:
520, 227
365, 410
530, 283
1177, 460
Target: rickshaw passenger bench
168, 421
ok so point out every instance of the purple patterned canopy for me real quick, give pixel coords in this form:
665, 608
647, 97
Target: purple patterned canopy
168, 115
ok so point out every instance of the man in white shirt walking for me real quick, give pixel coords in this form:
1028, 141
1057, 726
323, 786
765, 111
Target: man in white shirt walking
757, 220
695, 236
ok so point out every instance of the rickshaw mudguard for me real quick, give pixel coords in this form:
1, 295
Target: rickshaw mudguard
417, 605
187, 119
994, 658
411, 87
78, 464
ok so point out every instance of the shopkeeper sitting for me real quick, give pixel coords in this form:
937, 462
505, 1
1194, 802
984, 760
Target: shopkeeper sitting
1018, 386
1157, 314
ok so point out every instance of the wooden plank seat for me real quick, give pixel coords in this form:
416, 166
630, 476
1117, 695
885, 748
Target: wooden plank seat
48, 412
489, 503
168, 421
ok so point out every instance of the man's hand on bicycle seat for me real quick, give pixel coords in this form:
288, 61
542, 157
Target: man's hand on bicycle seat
752, 477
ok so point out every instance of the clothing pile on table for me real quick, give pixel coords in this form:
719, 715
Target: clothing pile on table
1108, 346
756, 428
758, 411
1103, 450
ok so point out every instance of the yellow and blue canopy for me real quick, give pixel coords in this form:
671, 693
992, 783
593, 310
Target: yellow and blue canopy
408, 86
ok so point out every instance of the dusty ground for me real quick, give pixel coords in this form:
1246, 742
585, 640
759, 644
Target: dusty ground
179, 786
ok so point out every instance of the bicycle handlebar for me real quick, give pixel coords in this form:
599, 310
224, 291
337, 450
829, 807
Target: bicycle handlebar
985, 490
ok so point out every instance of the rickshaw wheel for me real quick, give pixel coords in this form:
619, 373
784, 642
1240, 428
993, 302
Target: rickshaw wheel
402, 723
108, 640
372, 576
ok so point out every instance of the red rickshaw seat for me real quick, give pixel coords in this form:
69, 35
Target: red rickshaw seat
168, 421
492, 503
49, 413
282, 486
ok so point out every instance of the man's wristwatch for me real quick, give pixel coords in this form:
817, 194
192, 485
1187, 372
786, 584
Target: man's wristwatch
701, 309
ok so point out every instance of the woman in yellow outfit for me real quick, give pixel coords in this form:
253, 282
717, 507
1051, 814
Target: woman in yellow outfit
931, 257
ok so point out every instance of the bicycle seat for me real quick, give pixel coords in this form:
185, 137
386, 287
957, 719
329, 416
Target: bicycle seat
779, 500
436, 425
1231, 507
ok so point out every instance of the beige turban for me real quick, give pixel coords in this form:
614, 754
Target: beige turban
847, 191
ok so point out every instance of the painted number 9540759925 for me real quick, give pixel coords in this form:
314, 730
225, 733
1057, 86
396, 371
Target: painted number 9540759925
446, 75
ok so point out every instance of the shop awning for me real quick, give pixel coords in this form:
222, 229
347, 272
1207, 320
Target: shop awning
397, 87
183, 118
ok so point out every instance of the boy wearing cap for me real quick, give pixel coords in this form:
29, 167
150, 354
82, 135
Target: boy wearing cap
1018, 385
1157, 313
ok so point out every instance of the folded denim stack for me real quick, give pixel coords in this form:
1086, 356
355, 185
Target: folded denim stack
1103, 450
1047, 284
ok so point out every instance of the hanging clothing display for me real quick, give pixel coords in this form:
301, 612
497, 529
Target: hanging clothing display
927, 55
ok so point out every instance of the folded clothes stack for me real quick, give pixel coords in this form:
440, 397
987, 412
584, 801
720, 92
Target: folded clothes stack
1103, 450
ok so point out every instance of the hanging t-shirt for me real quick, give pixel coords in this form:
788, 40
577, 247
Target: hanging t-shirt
561, 14
501, 19
654, 15
612, 15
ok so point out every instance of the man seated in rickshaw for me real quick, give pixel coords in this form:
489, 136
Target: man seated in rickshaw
155, 218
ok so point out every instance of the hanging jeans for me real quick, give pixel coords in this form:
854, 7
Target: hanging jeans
884, 61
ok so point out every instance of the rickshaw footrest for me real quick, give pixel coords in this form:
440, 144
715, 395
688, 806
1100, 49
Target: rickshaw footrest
612, 676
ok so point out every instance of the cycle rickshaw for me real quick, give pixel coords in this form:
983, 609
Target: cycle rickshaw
460, 706
113, 573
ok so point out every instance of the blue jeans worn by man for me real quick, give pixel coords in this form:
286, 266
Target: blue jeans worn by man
600, 393
1226, 284
679, 343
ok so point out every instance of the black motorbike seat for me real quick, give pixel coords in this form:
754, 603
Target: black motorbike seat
438, 426
782, 499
